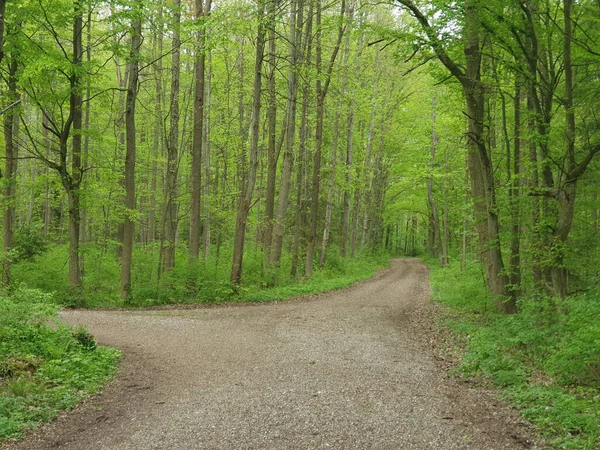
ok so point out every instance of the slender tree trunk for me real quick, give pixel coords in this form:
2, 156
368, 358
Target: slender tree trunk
367, 181
243, 207
73, 181
172, 190
296, 18
2, 26
514, 194
198, 137
330, 189
10, 172
303, 137
130, 151
435, 218
321, 93
157, 134
206, 161
86, 126
566, 195
272, 153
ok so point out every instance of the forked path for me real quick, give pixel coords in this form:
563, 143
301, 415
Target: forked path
348, 370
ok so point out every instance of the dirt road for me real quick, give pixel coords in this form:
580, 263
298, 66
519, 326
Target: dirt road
348, 370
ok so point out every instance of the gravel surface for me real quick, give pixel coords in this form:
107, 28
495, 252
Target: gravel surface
352, 369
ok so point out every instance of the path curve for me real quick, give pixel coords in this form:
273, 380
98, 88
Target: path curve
352, 369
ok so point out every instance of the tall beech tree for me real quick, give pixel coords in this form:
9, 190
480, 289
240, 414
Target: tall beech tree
245, 198
322, 86
130, 149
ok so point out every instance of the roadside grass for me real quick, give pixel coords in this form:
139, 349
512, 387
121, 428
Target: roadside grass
45, 366
545, 359
207, 282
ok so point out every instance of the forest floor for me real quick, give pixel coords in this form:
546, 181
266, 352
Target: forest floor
357, 368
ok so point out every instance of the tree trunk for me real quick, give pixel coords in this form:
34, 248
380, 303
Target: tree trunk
330, 189
172, 189
245, 198
198, 136
303, 138
10, 172
480, 167
566, 195
74, 180
272, 153
435, 218
514, 194
296, 18
321, 93
206, 161
130, 151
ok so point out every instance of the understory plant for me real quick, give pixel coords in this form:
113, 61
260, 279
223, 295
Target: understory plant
545, 358
45, 366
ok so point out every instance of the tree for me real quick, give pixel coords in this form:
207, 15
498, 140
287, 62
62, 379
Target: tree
245, 198
320, 93
480, 167
130, 153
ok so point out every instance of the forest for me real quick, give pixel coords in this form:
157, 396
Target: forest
185, 152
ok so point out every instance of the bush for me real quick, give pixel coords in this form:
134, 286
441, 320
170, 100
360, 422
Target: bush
29, 242
44, 365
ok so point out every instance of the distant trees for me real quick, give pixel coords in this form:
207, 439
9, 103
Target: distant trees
157, 132
300, 135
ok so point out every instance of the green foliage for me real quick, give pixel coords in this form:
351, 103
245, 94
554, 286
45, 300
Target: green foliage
44, 366
205, 282
546, 358
29, 242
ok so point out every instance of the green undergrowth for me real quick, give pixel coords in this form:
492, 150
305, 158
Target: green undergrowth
45, 366
546, 358
205, 282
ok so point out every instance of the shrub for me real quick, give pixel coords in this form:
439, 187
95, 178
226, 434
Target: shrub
44, 365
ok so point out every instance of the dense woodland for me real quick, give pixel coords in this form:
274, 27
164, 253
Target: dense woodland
182, 151
271, 139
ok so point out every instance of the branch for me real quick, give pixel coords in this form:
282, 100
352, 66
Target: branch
434, 41
336, 49
582, 166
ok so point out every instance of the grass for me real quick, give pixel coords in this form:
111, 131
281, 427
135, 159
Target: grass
546, 358
45, 367
205, 282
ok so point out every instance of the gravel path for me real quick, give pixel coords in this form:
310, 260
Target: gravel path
348, 370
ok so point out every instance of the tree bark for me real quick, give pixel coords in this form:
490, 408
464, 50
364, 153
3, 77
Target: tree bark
74, 180
272, 151
172, 189
436, 246
206, 186
10, 172
243, 207
321, 93
276, 246
130, 151
198, 135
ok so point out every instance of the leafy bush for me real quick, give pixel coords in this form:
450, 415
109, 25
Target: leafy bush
29, 242
44, 365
